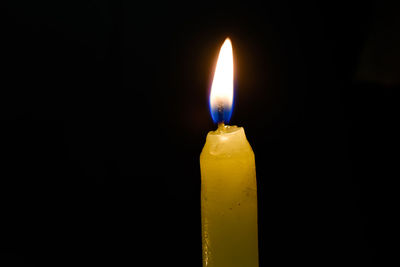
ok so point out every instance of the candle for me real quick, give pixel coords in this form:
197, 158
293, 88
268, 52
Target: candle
228, 180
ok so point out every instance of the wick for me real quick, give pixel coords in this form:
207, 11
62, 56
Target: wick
221, 127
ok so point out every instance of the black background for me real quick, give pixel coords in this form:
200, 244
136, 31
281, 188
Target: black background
105, 112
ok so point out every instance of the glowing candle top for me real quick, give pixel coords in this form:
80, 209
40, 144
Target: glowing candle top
221, 96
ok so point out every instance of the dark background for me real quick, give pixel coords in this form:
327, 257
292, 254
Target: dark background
105, 112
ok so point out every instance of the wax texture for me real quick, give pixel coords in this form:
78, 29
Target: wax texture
228, 200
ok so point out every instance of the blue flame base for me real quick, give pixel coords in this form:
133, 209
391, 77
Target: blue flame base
221, 114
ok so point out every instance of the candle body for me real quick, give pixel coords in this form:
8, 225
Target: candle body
228, 200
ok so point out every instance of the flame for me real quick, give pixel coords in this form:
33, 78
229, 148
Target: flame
221, 96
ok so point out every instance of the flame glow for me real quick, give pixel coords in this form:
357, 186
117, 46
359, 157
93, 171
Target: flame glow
221, 96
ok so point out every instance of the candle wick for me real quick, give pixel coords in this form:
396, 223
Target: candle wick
221, 126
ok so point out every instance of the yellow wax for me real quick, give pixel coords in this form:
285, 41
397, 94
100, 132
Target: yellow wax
228, 200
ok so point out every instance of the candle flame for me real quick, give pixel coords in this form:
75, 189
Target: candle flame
221, 96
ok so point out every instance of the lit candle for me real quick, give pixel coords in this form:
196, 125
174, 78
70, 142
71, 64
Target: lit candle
228, 180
